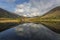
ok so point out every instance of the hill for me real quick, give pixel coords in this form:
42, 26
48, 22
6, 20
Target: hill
6, 14
52, 19
8, 19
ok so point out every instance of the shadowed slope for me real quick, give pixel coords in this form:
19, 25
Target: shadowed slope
6, 14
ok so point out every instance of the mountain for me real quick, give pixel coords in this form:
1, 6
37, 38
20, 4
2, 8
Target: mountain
53, 13
7, 16
52, 19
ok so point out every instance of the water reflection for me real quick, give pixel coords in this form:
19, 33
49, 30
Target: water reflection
36, 32
29, 31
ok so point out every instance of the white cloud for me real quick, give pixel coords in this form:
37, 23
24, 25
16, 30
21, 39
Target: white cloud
19, 10
36, 7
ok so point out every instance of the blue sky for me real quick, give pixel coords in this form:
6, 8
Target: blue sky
10, 4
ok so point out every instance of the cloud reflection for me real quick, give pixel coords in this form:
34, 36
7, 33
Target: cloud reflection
36, 32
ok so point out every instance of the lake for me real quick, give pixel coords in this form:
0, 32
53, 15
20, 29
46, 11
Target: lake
29, 31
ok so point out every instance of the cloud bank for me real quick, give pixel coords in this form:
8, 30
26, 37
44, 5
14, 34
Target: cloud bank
36, 7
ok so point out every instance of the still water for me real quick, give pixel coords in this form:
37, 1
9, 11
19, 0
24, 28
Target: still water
29, 31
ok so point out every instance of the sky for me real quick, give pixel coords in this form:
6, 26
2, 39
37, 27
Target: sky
29, 8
